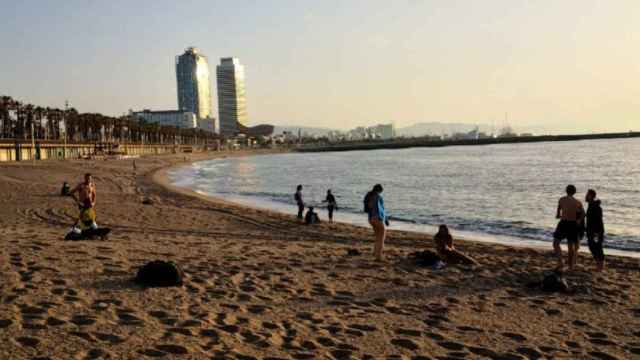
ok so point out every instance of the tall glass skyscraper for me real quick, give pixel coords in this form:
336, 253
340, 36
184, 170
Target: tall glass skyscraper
232, 106
194, 87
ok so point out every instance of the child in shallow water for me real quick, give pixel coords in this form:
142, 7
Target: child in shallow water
445, 249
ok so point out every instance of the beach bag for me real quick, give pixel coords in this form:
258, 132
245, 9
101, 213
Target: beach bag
160, 273
554, 282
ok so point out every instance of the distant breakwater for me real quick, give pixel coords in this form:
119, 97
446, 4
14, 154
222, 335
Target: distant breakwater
425, 142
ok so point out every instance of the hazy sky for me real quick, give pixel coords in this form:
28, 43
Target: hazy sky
561, 65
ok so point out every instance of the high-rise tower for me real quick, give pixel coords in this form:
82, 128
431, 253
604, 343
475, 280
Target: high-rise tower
194, 87
232, 107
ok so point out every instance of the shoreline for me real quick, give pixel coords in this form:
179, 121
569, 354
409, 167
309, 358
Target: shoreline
260, 285
162, 179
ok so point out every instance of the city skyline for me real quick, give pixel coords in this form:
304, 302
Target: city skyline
555, 66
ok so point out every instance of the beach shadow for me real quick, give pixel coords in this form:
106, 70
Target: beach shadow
116, 284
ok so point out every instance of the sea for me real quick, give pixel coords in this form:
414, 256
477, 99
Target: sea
504, 193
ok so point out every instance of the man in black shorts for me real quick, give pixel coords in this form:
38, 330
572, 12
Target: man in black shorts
571, 214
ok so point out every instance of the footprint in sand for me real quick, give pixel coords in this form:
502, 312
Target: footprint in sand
94, 354
110, 338
405, 343
409, 332
84, 335
483, 352
515, 337
28, 341
32, 310
179, 330
173, 349
127, 318
530, 353
573, 344
553, 312
450, 345
52, 321
153, 353
83, 320
602, 355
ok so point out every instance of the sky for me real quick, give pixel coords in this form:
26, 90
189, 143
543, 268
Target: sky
552, 66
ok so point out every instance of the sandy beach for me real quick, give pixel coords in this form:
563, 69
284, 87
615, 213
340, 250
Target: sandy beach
259, 285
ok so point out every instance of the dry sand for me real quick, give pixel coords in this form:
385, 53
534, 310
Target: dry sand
261, 286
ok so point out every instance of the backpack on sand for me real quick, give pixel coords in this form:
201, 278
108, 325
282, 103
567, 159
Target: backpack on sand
159, 274
554, 282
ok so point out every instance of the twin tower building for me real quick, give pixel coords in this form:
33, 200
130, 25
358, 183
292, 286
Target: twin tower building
194, 91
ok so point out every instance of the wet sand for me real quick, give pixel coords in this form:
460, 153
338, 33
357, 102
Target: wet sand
261, 286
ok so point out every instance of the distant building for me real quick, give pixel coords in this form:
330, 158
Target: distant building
232, 107
207, 124
177, 118
384, 132
194, 86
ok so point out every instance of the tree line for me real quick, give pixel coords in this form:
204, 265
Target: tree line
58, 125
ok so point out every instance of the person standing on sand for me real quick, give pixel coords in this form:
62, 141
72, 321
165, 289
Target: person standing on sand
331, 204
86, 192
571, 214
595, 228
299, 201
374, 206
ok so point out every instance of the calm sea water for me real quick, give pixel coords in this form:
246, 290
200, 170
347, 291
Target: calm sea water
500, 191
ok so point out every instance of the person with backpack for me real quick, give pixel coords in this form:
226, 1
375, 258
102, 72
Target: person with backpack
374, 207
331, 204
299, 201
595, 228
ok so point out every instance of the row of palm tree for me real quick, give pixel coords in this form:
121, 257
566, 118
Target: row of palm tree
56, 125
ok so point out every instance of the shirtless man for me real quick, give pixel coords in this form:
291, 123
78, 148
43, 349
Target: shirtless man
85, 190
571, 214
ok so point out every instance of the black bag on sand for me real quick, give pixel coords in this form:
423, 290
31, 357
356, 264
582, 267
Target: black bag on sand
554, 282
89, 234
159, 274
426, 258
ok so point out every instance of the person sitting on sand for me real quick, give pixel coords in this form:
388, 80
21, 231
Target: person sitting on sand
86, 226
331, 204
445, 249
86, 190
66, 189
311, 217
571, 214
595, 229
